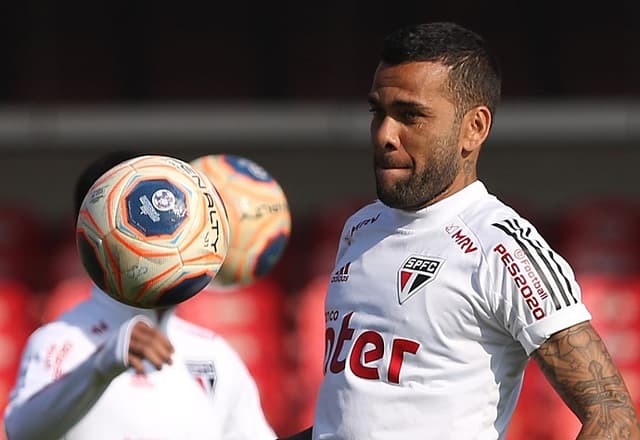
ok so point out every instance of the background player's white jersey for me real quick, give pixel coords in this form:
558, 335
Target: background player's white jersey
431, 316
206, 393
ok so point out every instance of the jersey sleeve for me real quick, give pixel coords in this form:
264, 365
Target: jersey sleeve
62, 375
237, 391
535, 293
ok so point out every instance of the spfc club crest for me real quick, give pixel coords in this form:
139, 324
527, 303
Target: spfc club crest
204, 372
415, 273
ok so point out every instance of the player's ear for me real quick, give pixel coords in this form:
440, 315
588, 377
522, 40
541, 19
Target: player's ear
475, 127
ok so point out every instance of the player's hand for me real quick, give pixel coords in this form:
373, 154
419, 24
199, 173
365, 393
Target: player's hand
148, 343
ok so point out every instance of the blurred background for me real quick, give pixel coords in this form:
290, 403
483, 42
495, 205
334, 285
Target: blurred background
285, 85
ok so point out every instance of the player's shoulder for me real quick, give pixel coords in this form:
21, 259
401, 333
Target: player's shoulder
86, 315
366, 215
86, 320
72, 326
492, 222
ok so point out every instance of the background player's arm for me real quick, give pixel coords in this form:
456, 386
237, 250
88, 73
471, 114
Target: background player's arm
576, 362
44, 407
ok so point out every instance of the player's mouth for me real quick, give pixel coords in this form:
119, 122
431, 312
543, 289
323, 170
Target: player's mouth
383, 166
387, 172
389, 165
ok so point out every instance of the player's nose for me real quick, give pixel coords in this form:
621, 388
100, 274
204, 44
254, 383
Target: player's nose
385, 133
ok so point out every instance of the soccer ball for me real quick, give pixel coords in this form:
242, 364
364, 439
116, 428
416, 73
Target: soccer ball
259, 216
152, 231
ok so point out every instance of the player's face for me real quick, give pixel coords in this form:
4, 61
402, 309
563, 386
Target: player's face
415, 134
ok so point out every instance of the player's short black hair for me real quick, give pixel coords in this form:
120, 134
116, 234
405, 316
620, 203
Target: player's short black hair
474, 75
94, 170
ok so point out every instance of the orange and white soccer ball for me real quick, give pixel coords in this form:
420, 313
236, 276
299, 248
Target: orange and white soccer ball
259, 216
152, 231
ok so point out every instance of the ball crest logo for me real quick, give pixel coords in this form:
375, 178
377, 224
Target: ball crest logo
163, 200
156, 207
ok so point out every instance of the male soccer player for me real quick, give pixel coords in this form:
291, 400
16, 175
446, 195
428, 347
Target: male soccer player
443, 293
105, 370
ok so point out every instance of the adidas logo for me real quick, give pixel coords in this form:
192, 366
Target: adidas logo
341, 275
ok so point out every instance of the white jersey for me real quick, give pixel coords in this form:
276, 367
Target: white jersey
74, 383
431, 317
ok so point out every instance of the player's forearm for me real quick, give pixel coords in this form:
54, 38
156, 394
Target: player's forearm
55, 409
578, 365
609, 415
608, 411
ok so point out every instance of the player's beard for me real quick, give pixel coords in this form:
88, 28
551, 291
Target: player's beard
424, 185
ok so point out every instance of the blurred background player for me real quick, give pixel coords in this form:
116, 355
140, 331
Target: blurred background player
440, 292
106, 370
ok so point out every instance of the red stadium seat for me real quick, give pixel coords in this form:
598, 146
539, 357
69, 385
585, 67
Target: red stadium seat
11, 346
17, 321
253, 320
605, 220
18, 227
18, 307
309, 342
21, 245
588, 257
64, 261
323, 236
601, 236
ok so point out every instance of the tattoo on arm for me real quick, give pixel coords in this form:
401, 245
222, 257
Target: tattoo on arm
576, 362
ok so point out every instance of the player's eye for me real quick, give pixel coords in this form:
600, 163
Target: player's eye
409, 116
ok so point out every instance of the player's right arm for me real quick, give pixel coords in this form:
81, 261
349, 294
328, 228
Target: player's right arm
59, 381
541, 305
577, 364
